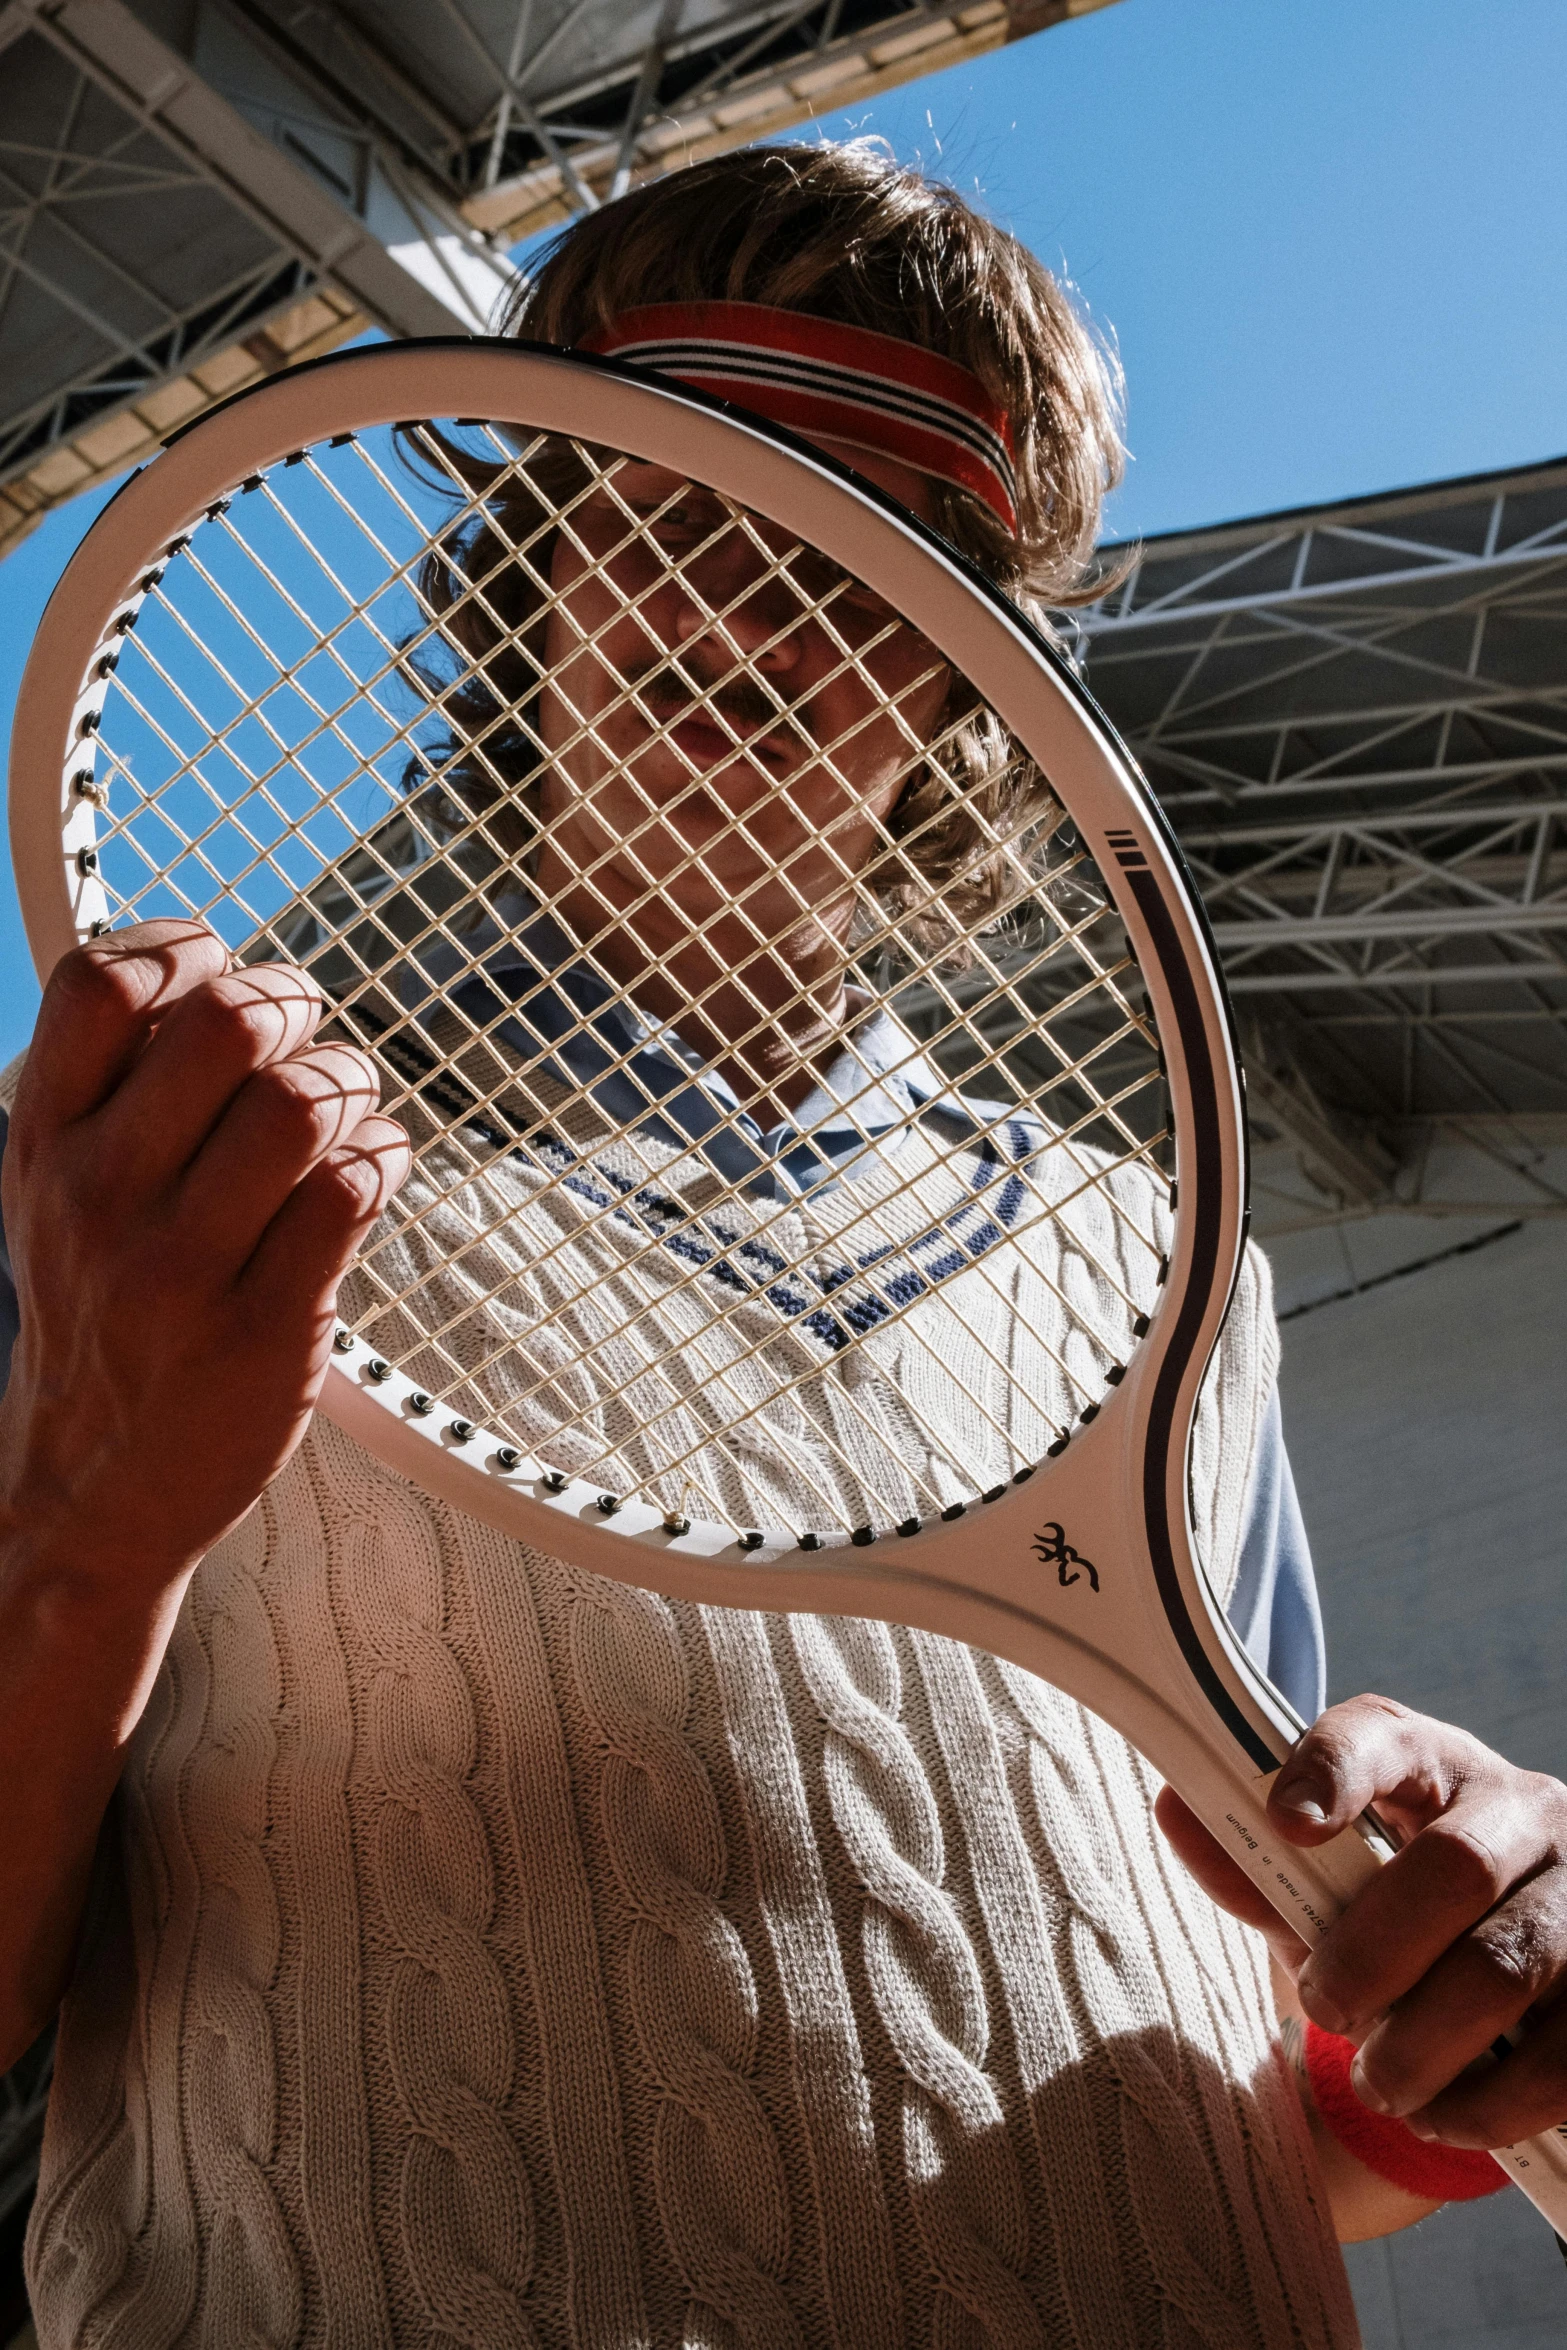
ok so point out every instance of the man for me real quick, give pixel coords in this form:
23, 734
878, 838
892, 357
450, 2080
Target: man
477, 1950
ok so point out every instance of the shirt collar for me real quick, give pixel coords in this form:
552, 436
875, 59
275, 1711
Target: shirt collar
643, 1072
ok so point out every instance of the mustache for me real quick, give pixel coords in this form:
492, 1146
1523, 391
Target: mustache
671, 691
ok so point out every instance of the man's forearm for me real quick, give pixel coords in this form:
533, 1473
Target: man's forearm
79, 1651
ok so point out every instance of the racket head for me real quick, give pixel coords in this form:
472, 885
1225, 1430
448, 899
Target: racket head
1102, 1470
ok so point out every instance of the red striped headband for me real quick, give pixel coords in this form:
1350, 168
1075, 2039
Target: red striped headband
842, 382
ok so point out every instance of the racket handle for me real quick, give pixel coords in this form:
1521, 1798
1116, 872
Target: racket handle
1309, 1889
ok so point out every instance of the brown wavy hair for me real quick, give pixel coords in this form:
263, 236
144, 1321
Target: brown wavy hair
845, 233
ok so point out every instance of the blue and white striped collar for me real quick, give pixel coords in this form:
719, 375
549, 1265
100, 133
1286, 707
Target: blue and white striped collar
642, 1074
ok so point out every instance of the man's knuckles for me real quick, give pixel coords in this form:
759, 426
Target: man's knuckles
1464, 1866
1518, 1955
1483, 1987
295, 1110
119, 980
347, 1189
238, 1022
1343, 1747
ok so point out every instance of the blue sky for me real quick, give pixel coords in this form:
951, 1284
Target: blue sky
1330, 236
1330, 240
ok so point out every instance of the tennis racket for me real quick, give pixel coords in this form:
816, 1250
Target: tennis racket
829, 1152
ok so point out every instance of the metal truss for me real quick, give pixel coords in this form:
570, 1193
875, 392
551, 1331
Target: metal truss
189, 198
581, 124
1356, 718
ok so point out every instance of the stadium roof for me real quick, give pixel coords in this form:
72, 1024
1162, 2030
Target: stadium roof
196, 192
1356, 716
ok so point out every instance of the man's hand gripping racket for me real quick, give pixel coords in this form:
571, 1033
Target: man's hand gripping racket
829, 1174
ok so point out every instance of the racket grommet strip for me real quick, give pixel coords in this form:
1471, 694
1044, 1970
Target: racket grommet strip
993, 1493
607, 1504
810, 1542
1053, 1451
553, 1480
954, 1509
674, 1525
1140, 1326
459, 1430
1090, 1411
342, 1342
377, 1370
86, 861
420, 1404
1115, 1374
861, 1536
507, 1456
751, 1540
909, 1526
1021, 1476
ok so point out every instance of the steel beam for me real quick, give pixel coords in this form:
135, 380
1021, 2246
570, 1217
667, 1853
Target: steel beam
155, 86
1357, 722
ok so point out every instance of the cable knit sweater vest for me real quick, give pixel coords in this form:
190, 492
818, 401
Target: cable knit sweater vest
486, 1954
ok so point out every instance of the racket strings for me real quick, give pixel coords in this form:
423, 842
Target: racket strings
676, 1225
917, 746
473, 1366
363, 793
511, 1409
988, 1132
764, 681
633, 844
504, 1078
489, 1100
675, 1229
361, 689
402, 736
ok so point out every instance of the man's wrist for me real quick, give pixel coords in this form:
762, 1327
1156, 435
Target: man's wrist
1387, 2147
1361, 2203
53, 1562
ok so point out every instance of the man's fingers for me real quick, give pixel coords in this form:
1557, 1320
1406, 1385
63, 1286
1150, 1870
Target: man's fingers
309, 1242
1368, 1750
99, 1007
1427, 1899
1497, 2104
1480, 1989
207, 1045
1223, 1880
281, 1123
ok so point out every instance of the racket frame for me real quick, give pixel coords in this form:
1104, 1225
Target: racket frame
1174, 1679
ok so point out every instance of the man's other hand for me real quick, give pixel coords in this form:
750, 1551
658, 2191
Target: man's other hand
1461, 1936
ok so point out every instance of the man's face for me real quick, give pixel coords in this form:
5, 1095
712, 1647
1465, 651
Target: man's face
708, 699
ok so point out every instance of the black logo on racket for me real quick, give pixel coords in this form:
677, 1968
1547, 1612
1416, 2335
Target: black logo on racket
1053, 1548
